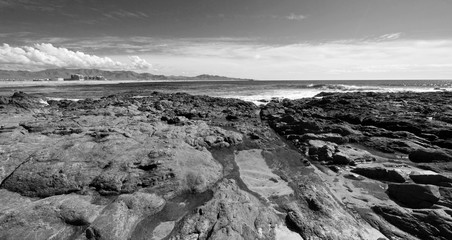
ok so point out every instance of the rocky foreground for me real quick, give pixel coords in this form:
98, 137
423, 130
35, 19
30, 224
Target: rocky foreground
175, 166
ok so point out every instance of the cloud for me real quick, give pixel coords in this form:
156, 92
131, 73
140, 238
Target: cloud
125, 14
371, 58
295, 17
139, 63
391, 36
32, 5
352, 59
45, 55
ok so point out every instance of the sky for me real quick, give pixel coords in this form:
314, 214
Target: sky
259, 39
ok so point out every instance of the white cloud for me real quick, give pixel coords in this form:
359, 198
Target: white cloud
139, 63
125, 14
45, 55
353, 59
295, 17
391, 36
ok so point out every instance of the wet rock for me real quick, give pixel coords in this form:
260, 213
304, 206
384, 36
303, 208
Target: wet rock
414, 195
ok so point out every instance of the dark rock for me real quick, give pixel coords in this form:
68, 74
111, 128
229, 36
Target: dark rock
429, 155
342, 159
381, 174
232, 118
414, 195
334, 168
434, 179
254, 136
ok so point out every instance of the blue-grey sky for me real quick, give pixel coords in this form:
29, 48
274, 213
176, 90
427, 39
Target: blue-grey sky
263, 39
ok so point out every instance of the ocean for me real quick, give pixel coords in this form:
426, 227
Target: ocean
254, 91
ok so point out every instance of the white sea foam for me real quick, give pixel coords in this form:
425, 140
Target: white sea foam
60, 99
265, 96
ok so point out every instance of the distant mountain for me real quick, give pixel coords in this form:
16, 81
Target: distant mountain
109, 75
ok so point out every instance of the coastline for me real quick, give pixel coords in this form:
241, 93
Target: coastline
97, 82
258, 92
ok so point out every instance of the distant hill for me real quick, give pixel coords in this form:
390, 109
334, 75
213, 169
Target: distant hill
109, 75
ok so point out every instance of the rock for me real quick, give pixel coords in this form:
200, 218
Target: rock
323, 150
342, 159
423, 224
354, 177
326, 153
231, 214
119, 219
429, 155
335, 169
177, 120
61, 165
414, 195
344, 130
327, 137
380, 174
232, 118
433, 179
346, 155
58, 217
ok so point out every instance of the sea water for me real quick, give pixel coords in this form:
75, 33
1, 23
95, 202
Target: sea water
257, 92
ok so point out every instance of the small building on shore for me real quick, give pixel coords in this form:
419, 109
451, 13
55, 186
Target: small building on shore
57, 79
79, 77
76, 77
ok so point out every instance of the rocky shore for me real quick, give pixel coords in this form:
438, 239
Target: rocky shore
176, 166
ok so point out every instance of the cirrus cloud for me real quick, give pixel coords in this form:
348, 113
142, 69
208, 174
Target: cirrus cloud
45, 55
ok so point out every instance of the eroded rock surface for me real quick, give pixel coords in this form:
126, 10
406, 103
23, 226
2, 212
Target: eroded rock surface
175, 166
385, 155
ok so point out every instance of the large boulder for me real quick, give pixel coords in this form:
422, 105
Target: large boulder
414, 195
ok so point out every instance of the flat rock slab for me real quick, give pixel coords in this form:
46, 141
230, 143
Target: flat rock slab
258, 176
162, 230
